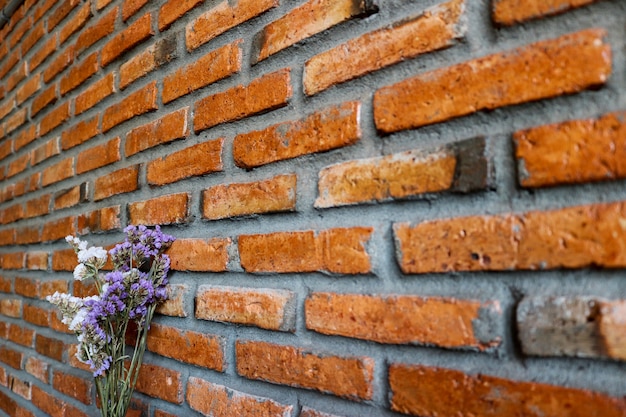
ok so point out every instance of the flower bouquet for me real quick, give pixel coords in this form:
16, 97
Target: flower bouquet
127, 295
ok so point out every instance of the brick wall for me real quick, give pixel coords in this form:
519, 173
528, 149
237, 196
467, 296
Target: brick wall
382, 207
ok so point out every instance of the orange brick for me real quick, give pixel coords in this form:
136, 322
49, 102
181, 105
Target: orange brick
223, 62
43, 8
223, 17
157, 54
13, 260
26, 136
47, 288
61, 62
98, 156
32, 38
61, 13
101, 220
11, 357
99, 30
26, 235
37, 261
5, 285
7, 237
45, 151
37, 368
139, 102
376, 318
16, 77
13, 213
340, 251
348, 377
64, 260
173, 10
121, 181
174, 306
428, 391
38, 206
127, 39
70, 197
96, 92
510, 12
79, 133
21, 336
201, 159
575, 151
565, 65
36, 315
45, 98
58, 229
47, 402
16, 120
277, 194
311, 18
7, 107
23, 389
30, 87
130, 7
159, 382
309, 412
168, 209
186, 346
76, 23
101, 4
54, 118
5, 149
79, 73
52, 348
217, 400
327, 129
19, 30
18, 165
73, 386
10, 62
269, 309
44, 51
199, 254
170, 127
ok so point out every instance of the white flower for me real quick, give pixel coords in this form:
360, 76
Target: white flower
78, 319
95, 252
80, 272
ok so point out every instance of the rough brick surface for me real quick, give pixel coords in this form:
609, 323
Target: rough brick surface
134, 104
117, 182
160, 382
201, 159
166, 129
168, 209
509, 12
94, 94
173, 10
199, 254
157, 54
130, 37
99, 30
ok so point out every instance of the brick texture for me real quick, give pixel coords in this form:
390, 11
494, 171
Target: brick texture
200, 254
509, 12
166, 129
196, 160
168, 209
135, 104
130, 37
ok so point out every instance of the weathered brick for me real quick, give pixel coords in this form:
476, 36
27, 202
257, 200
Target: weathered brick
58, 172
5, 149
133, 35
26, 235
159, 382
99, 30
45, 50
16, 77
43, 8
11, 307
19, 30
47, 402
45, 151
121, 181
10, 62
429, 391
168, 209
265, 308
201, 159
101, 4
459, 323
7, 107
11, 357
45, 98
186, 346
7, 237
76, 23
96, 92
5, 285
52, 348
64, 60
130, 7
21, 336
37, 260
170, 127
136, 103
576, 151
13, 213
266, 93
348, 377
340, 251
73, 386
71, 196
100, 220
16, 120
277, 194
37, 368
98, 156
26, 90
571, 326
309, 412
574, 237
79, 133
328, 129
79, 73
510, 12
64, 260
38, 206
311, 18
31, 39
61, 13
568, 64
18, 165
220, 401
173, 10
199, 254
157, 54
21, 388
174, 306
13, 260
58, 229
54, 118
223, 17
223, 62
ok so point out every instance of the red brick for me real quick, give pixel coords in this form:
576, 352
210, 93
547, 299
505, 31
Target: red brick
348, 377
199, 254
576, 151
223, 62
121, 181
79, 73
19, 30
11, 357
64, 60
99, 30
565, 65
186, 346
340, 251
41, 10
14, 260
157, 54
327, 129
223, 17
11, 308
64, 260
76, 23
16, 77
26, 235
71, 196
127, 39
79, 133
98, 156
309, 412
18, 165
170, 127
574, 237
49, 46
510, 12
174, 306
101, 220
37, 261
311, 18
32, 38
130, 7
37, 368
13, 213
9, 63
21, 388
45, 151
5, 285
159, 382
21, 335
173, 10
168, 209
7, 107
30, 87
201, 159
45, 98
54, 118
277, 194
220, 401
58, 172
265, 308
5, 149
96, 92
38, 206
61, 13
58, 229
428, 391
135, 104
101, 4
47, 402
52, 348
72, 386
16, 120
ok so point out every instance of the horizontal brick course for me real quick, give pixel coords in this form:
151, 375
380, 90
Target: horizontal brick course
509, 12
